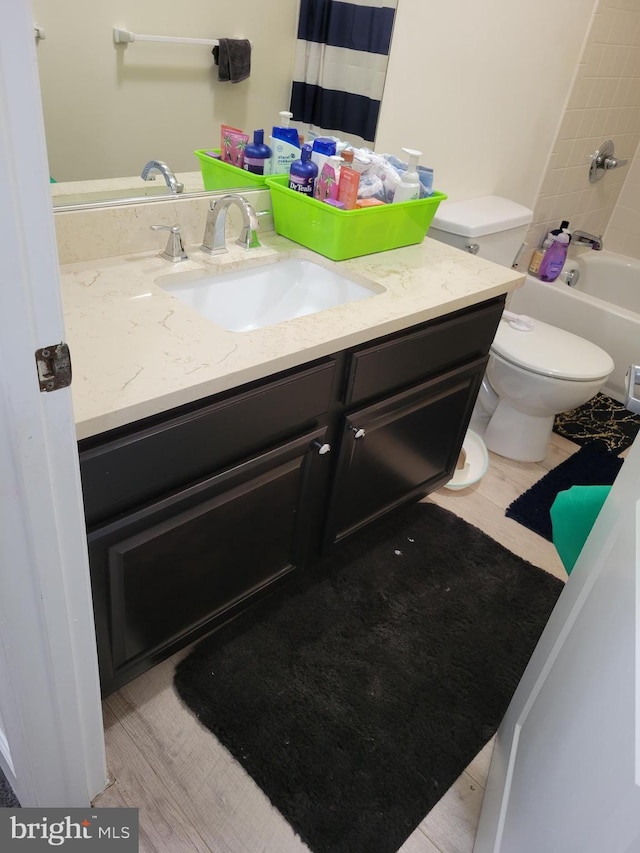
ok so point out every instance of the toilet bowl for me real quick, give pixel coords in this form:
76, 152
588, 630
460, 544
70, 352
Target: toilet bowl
533, 375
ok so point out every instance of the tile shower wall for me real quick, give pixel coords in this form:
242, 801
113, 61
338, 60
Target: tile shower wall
604, 103
623, 233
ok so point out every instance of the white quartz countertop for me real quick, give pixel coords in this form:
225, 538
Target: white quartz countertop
137, 351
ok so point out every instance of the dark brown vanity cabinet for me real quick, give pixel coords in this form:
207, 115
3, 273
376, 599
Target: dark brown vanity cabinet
193, 515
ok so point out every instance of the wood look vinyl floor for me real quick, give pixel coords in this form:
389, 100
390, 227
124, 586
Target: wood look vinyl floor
193, 796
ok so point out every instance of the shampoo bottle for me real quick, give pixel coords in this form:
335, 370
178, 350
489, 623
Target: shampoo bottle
409, 186
554, 258
257, 155
303, 174
285, 145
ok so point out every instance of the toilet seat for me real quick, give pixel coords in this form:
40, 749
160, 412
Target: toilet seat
549, 351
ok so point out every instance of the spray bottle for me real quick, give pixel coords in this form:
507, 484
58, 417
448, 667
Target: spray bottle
409, 186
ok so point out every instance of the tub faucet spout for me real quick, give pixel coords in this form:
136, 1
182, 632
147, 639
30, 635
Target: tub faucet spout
582, 238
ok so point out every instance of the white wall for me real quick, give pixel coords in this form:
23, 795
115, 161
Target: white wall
480, 87
109, 109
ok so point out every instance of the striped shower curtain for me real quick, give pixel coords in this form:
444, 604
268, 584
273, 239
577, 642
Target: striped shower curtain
340, 65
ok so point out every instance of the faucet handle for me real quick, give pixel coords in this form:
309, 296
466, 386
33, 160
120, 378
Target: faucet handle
248, 238
174, 250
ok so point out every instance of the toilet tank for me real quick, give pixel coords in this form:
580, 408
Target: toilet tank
495, 225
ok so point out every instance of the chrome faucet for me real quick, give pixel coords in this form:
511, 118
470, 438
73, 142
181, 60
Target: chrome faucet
157, 166
582, 238
214, 240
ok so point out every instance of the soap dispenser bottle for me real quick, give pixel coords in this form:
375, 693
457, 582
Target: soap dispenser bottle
409, 186
555, 256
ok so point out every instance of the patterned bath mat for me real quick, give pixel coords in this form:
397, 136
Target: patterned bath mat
600, 418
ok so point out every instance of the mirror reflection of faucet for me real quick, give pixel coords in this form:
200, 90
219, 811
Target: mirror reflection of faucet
154, 167
214, 240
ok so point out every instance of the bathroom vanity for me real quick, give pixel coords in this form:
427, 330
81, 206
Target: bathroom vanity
203, 495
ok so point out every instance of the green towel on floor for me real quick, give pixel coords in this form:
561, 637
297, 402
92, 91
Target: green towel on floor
573, 514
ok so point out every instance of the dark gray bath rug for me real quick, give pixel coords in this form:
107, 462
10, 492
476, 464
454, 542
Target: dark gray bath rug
356, 699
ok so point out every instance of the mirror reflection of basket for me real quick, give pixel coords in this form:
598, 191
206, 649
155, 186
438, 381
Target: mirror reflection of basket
218, 175
342, 234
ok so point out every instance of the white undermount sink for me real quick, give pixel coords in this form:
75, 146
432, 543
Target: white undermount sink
248, 299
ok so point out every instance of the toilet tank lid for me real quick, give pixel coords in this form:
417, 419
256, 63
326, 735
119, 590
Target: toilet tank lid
480, 216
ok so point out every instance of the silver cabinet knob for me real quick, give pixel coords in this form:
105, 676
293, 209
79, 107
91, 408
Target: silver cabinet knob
320, 447
357, 433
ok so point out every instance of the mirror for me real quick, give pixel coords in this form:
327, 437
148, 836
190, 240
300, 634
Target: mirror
110, 108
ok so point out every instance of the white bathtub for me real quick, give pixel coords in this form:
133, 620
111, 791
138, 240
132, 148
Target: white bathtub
603, 307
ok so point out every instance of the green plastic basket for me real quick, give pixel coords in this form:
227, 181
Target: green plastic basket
217, 175
342, 234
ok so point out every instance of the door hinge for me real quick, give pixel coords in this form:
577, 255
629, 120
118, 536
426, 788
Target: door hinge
54, 367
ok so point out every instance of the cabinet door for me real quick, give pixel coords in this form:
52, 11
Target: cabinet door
401, 447
171, 571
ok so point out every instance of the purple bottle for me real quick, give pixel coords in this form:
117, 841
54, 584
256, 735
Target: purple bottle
257, 155
303, 174
554, 258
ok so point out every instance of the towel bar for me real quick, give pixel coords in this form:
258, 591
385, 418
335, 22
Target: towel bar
121, 36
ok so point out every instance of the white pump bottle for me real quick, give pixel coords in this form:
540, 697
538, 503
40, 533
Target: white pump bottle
409, 186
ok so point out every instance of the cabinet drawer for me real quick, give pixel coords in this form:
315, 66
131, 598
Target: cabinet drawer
399, 361
130, 470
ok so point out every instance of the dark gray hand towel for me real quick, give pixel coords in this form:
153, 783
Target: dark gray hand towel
233, 58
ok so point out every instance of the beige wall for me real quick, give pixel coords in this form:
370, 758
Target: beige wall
110, 109
480, 88
604, 103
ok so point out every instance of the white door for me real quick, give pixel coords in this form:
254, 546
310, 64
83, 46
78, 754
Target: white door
51, 738
565, 777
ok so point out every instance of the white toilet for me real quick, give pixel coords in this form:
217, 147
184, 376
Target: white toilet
535, 370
